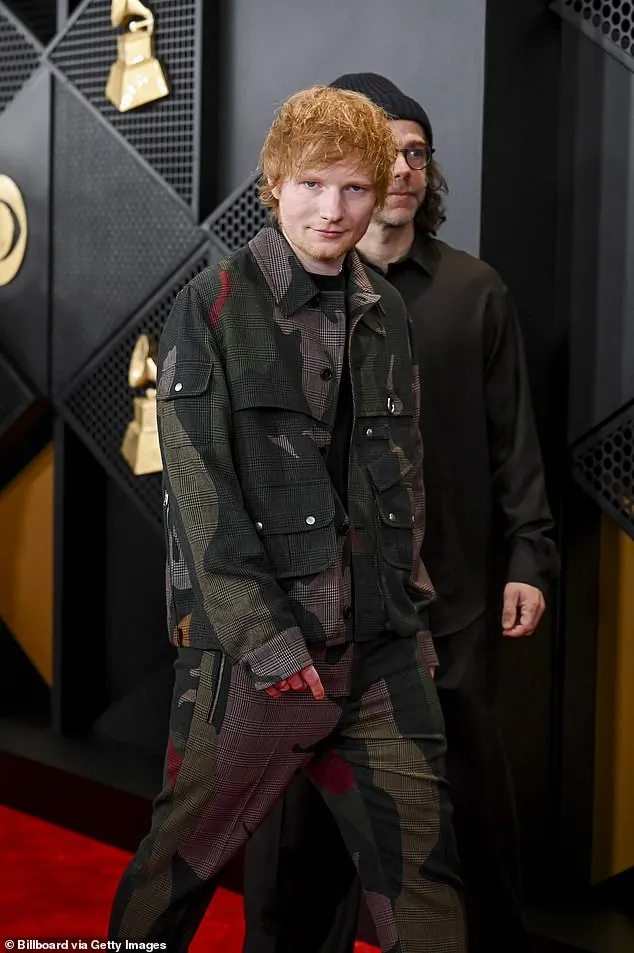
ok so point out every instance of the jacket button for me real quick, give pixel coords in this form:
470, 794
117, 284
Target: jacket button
310, 520
326, 374
344, 529
392, 517
259, 526
347, 612
369, 432
178, 386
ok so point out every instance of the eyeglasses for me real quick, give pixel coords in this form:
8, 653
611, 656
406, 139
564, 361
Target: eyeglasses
417, 157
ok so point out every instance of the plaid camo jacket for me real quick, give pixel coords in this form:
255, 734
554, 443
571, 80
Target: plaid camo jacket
262, 559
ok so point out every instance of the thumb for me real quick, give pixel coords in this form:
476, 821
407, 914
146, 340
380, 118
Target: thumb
509, 612
313, 681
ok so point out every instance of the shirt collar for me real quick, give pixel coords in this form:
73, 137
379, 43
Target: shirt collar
423, 252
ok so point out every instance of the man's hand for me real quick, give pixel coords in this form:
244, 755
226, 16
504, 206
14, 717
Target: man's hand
523, 608
306, 678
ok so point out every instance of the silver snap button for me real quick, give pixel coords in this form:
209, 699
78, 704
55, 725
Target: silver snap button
369, 432
413, 519
310, 520
259, 526
178, 386
392, 517
166, 499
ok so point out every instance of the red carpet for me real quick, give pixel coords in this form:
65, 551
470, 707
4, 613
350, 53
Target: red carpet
55, 883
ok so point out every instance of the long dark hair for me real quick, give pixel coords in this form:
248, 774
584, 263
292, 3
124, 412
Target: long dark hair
431, 214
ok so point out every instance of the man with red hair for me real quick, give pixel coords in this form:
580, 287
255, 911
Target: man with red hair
288, 407
488, 547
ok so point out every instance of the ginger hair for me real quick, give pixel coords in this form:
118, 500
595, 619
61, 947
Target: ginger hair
320, 126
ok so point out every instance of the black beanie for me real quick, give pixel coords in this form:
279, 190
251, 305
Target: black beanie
385, 94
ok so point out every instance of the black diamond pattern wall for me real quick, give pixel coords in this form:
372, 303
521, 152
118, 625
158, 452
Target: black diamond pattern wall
608, 22
603, 464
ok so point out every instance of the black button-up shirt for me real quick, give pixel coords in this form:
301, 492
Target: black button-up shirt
482, 455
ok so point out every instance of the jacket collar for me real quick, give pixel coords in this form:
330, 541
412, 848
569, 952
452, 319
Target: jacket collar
290, 283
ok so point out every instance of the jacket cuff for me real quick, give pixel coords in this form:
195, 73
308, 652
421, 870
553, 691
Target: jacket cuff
523, 568
278, 658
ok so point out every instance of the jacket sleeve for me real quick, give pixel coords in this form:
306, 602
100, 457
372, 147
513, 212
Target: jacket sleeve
229, 570
519, 489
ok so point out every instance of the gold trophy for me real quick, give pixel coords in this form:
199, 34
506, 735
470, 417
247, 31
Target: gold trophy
137, 77
140, 447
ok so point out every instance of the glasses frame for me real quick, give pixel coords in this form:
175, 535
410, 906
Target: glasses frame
426, 164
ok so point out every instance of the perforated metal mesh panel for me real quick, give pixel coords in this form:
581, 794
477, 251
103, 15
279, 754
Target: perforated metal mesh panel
15, 396
100, 404
603, 463
163, 131
237, 220
118, 234
609, 22
40, 16
18, 60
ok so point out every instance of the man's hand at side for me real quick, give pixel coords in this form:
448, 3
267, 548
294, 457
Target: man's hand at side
523, 608
305, 678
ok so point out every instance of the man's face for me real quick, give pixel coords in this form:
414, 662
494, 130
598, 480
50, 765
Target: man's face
407, 189
324, 212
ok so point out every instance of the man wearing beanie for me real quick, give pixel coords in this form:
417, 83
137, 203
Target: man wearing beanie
488, 551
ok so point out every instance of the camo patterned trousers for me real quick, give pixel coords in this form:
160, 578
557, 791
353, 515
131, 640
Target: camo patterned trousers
374, 748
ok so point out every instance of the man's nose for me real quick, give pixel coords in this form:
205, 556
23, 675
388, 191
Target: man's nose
331, 205
401, 168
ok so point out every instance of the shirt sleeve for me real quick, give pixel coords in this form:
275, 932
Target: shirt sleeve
228, 566
519, 489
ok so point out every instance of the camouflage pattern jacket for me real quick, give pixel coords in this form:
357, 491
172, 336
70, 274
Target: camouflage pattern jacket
262, 559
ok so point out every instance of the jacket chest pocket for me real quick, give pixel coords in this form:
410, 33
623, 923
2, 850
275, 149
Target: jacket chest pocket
296, 523
395, 483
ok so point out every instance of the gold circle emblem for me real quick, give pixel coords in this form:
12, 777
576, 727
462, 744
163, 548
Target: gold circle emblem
13, 229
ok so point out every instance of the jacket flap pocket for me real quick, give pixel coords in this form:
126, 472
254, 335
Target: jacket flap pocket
190, 379
293, 508
389, 470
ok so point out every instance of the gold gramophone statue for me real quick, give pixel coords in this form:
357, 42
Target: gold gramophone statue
137, 77
140, 447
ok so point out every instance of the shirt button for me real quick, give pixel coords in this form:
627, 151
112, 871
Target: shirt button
178, 386
326, 374
310, 520
392, 517
347, 612
369, 432
259, 526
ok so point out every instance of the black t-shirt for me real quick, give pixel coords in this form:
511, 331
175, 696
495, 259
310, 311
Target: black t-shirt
332, 298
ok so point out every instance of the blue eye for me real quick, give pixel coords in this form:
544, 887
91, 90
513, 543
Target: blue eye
309, 185
358, 188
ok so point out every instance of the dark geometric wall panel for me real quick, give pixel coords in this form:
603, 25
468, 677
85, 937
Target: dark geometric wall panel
610, 23
163, 132
18, 58
603, 464
25, 158
118, 233
237, 220
99, 405
39, 16
15, 396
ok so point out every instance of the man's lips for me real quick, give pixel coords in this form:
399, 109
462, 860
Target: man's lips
330, 233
